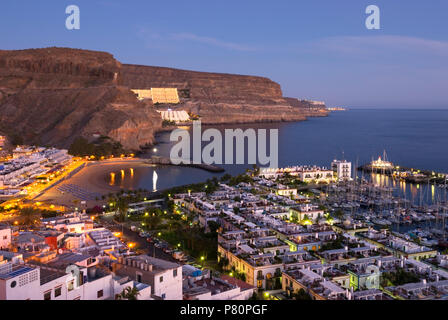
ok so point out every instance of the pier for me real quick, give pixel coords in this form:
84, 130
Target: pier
167, 162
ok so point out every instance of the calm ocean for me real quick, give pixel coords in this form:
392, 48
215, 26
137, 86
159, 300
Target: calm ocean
411, 138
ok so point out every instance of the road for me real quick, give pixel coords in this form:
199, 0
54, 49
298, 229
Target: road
143, 244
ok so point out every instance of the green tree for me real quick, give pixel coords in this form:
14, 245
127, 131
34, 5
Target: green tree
29, 216
301, 295
153, 221
128, 293
121, 209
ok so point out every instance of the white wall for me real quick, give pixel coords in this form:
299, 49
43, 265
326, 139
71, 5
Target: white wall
5, 238
170, 286
27, 287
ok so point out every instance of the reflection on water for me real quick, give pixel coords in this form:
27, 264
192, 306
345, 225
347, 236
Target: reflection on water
320, 140
419, 194
154, 181
151, 177
112, 179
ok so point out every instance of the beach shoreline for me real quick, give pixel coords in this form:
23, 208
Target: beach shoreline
93, 179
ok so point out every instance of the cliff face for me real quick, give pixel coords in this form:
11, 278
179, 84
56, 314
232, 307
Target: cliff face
51, 96
56, 68
204, 86
217, 97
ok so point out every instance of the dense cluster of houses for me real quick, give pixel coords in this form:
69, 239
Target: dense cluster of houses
282, 242
71, 257
27, 163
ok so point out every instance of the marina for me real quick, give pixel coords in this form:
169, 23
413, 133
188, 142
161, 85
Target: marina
385, 167
379, 207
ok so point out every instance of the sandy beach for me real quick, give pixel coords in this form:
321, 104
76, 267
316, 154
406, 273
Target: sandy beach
93, 180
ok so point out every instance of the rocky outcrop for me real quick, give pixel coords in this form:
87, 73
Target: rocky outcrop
57, 68
206, 87
219, 97
51, 96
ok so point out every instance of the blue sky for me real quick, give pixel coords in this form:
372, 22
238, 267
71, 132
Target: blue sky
315, 49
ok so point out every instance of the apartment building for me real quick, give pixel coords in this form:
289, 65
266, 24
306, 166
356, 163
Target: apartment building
164, 277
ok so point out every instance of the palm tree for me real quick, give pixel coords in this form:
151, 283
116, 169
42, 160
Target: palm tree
153, 221
128, 293
122, 209
29, 216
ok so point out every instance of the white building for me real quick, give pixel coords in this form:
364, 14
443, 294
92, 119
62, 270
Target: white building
304, 173
5, 236
164, 277
343, 169
103, 239
19, 282
53, 281
176, 116
213, 288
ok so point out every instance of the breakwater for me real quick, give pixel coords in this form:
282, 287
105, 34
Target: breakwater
167, 161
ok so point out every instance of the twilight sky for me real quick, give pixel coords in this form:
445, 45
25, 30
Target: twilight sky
317, 49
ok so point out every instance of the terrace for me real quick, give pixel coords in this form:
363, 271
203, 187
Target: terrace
371, 294
317, 285
263, 259
297, 257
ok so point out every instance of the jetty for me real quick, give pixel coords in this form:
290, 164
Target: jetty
167, 162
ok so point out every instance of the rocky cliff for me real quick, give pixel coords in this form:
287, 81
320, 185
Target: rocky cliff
51, 96
217, 97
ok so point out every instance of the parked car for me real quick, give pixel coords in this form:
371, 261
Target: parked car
178, 255
168, 250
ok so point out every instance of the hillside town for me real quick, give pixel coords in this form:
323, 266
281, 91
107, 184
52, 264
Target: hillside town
269, 234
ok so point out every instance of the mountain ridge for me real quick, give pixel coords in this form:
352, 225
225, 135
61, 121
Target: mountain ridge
51, 96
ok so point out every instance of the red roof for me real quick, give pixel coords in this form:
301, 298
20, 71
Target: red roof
236, 282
